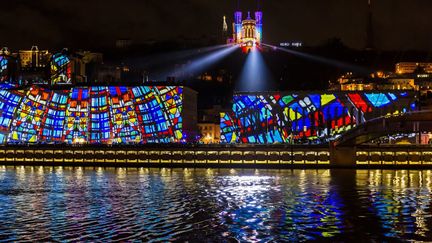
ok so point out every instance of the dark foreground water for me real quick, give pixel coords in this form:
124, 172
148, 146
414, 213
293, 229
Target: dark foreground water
213, 205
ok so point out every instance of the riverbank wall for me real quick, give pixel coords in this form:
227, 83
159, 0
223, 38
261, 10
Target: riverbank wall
220, 156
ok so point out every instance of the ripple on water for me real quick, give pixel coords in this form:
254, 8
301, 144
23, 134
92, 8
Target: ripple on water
86, 204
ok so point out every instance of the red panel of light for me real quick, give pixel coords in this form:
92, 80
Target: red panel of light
358, 101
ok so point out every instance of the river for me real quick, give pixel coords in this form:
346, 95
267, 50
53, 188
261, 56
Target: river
212, 205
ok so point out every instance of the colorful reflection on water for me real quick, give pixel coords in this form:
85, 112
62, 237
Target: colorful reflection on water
89, 204
296, 205
401, 200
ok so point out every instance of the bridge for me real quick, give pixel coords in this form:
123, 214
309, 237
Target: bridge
387, 125
343, 149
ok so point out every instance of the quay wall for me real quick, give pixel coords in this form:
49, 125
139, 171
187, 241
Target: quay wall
218, 156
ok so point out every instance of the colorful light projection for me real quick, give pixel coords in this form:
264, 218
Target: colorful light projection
100, 116
28, 118
95, 115
55, 117
124, 118
277, 118
77, 113
61, 69
3, 68
9, 103
159, 111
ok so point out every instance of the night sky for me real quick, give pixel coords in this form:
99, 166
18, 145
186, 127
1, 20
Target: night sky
399, 24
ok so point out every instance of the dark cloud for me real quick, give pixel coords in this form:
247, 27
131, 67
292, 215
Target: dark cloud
399, 24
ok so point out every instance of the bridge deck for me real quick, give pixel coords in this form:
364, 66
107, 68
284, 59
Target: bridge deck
404, 123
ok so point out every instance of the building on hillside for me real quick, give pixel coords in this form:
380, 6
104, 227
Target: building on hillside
33, 65
36, 66
405, 77
34, 58
123, 43
412, 67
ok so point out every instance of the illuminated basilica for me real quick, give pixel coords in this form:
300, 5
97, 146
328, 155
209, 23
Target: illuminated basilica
247, 32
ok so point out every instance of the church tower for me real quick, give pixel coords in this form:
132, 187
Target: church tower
258, 19
237, 26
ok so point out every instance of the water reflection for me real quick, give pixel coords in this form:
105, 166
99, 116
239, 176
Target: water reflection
401, 200
295, 205
88, 204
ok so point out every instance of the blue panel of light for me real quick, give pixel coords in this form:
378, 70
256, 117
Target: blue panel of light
377, 99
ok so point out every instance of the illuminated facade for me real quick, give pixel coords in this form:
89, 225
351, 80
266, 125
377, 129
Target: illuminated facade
3, 68
408, 76
41, 67
7, 63
67, 68
268, 118
96, 115
34, 58
210, 132
411, 67
61, 69
247, 32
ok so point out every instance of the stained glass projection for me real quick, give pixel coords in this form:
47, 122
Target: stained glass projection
77, 113
95, 115
3, 68
27, 121
55, 117
271, 118
61, 69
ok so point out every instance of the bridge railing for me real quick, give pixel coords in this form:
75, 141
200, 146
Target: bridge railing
420, 120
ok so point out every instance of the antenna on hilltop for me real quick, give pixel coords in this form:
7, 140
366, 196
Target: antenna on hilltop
369, 28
